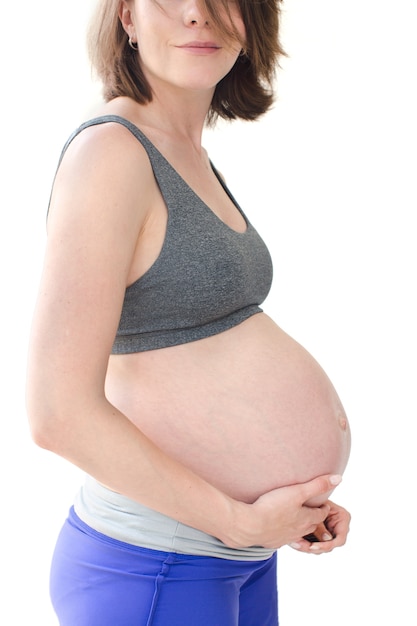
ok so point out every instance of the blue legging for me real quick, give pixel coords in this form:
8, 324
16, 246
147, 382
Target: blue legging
99, 581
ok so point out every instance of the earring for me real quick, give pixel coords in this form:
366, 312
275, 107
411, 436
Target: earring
133, 44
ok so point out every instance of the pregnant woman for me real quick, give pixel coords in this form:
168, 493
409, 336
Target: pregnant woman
208, 436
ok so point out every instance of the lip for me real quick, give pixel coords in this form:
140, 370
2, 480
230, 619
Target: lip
200, 46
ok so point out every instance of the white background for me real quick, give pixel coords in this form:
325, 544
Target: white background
329, 179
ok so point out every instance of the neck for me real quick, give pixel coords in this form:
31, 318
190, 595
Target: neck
178, 113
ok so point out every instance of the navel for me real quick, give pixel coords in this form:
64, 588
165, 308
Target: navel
342, 422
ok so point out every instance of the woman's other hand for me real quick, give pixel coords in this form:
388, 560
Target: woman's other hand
330, 534
286, 515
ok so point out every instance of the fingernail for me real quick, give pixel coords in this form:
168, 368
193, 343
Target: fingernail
326, 537
314, 546
335, 479
295, 545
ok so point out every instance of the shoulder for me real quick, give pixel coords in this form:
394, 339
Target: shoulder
104, 165
107, 144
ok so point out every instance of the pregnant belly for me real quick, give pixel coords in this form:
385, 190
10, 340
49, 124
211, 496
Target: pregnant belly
249, 410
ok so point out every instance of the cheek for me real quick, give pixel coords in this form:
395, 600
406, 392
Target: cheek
241, 28
238, 23
149, 50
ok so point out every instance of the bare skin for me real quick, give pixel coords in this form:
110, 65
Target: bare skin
240, 434
249, 410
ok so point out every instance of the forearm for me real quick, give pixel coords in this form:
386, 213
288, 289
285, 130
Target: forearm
104, 443
101, 441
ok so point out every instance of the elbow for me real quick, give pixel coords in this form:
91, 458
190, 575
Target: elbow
52, 432
41, 404
43, 428
47, 425
41, 437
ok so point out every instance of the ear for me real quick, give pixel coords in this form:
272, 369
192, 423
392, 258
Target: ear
125, 17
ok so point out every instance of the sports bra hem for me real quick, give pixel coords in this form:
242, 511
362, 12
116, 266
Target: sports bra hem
154, 340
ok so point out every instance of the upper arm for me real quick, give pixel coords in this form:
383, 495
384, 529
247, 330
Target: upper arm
100, 200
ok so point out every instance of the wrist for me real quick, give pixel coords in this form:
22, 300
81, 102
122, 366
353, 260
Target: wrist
237, 527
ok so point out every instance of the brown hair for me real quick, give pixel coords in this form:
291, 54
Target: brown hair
245, 92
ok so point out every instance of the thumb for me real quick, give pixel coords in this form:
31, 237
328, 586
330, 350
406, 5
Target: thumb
323, 485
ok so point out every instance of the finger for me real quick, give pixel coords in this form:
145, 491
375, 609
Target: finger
322, 547
338, 523
340, 533
314, 517
302, 545
321, 533
338, 540
319, 486
315, 547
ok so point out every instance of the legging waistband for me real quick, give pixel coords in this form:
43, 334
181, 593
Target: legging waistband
121, 518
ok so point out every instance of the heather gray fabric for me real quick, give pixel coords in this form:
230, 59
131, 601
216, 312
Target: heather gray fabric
123, 519
207, 277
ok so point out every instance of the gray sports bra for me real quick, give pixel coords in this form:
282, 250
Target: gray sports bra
207, 277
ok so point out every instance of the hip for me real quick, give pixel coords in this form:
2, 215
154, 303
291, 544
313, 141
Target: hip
132, 523
100, 581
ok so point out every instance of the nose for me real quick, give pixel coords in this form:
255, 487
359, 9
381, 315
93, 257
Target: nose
195, 14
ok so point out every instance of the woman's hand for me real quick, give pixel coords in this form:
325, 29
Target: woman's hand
285, 516
330, 534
